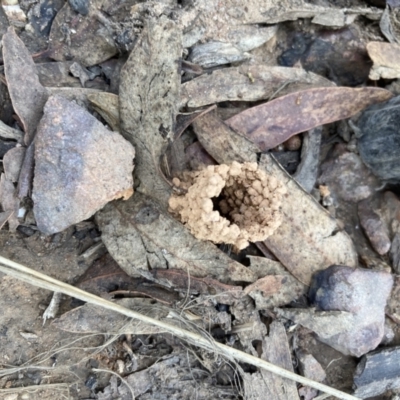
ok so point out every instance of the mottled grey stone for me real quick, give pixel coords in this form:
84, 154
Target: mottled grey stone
79, 166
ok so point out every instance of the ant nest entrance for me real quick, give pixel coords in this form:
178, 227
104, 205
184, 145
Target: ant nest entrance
234, 204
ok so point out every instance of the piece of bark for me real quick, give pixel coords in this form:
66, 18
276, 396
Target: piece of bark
270, 124
308, 239
307, 172
148, 99
248, 83
134, 233
222, 142
25, 177
377, 373
386, 58
12, 162
79, 166
274, 349
27, 94
287, 290
95, 319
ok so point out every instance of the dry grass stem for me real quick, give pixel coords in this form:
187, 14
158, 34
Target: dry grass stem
28, 275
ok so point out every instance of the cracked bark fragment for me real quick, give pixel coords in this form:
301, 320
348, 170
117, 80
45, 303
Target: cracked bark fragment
123, 234
149, 98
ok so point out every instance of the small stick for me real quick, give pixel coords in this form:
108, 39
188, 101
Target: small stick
41, 280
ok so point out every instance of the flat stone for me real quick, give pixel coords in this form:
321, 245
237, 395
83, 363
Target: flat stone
361, 292
79, 166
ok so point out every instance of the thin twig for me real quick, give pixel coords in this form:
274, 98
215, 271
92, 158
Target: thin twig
38, 279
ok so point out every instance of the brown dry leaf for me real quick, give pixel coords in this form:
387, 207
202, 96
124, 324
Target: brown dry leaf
141, 236
105, 276
248, 83
198, 157
12, 162
4, 217
222, 142
180, 280
95, 319
27, 94
308, 239
386, 58
80, 38
107, 105
9, 203
148, 99
272, 123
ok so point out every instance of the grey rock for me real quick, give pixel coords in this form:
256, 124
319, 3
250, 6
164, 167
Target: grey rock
377, 373
379, 139
79, 166
361, 292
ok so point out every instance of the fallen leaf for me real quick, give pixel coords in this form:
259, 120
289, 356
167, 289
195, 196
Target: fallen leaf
12, 162
222, 142
105, 276
107, 105
96, 319
181, 281
308, 240
141, 236
9, 203
274, 122
386, 58
247, 83
77, 171
28, 96
148, 99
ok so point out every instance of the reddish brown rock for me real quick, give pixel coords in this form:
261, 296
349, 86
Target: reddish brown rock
79, 166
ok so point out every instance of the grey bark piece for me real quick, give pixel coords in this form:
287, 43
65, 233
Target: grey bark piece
247, 83
149, 100
213, 54
265, 385
306, 174
79, 166
377, 373
139, 235
28, 95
